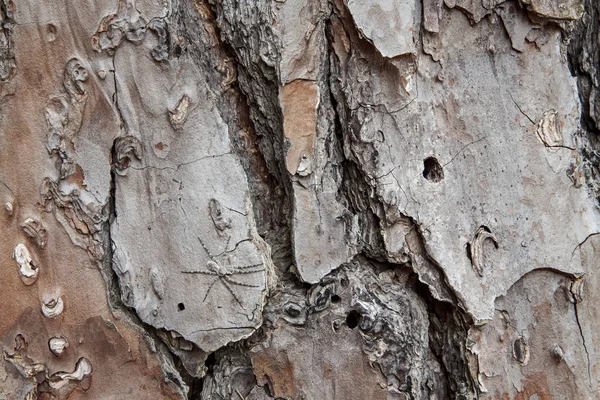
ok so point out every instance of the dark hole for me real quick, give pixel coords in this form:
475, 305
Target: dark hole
177, 51
335, 299
432, 170
181, 306
293, 310
210, 362
518, 351
352, 319
268, 389
469, 252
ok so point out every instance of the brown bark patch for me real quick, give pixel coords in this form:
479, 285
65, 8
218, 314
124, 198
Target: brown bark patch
535, 384
299, 101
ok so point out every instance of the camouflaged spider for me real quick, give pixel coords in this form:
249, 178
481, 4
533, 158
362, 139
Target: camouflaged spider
224, 273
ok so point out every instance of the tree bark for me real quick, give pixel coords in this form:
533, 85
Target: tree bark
299, 199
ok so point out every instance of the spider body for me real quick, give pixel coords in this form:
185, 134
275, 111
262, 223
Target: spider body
225, 274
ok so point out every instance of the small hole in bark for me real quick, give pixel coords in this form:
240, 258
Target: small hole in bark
335, 299
50, 32
432, 170
178, 51
352, 319
469, 252
181, 306
293, 310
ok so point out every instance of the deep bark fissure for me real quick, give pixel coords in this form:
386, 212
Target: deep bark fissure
442, 315
583, 56
249, 136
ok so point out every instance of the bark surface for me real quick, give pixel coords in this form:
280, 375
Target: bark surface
299, 199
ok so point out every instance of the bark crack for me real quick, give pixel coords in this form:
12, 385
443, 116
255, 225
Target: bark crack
8, 187
520, 109
587, 354
583, 242
115, 96
212, 156
463, 148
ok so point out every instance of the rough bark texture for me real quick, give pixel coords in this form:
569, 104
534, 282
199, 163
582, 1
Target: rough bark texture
300, 199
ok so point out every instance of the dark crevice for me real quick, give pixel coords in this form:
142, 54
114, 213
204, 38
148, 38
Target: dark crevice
255, 136
449, 323
583, 56
357, 187
7, 52
448, 331
211, 360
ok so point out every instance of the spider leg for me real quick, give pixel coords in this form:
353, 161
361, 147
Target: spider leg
210, 287
246, 271
199, 272
233, 281
246, 266
226, 246
205, 249
225, 280
234, 247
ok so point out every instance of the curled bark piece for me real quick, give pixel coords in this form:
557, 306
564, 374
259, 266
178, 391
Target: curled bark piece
53, 307
82, 221
25, 365
521, 350
34, 229
295, 313
58, 345
548, 129
125, 148
319, 296
160, 52
28, 270
304, 168
475, 248
227, 69
216, 214
179, 114
126, 24
64, 115
64, 383
9, 208
74, 74
577, 290
158, 284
